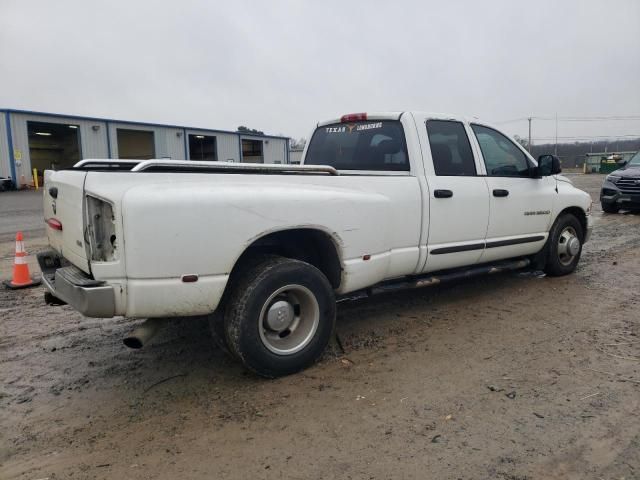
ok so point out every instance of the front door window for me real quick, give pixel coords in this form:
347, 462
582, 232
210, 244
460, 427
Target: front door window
501, 156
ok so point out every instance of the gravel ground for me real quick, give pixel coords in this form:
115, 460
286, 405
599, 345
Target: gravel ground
511, 377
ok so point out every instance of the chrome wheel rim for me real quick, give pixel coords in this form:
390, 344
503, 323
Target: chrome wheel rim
289, 319
568, 245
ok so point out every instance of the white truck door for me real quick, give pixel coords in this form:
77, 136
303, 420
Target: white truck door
458, 198
520, 206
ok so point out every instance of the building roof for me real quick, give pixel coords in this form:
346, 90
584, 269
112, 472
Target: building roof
150, 124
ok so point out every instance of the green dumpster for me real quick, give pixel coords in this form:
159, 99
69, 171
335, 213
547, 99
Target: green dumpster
608, 165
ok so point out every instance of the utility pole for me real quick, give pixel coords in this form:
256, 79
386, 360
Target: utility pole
556, 149
529, 144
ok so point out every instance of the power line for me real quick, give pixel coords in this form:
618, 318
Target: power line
514, 120
575, 119
598, 119
637, 135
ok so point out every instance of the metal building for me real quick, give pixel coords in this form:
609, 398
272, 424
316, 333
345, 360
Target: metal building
36, 140
295, 155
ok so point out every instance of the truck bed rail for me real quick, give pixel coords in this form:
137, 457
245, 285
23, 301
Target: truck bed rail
189, 166
102, 164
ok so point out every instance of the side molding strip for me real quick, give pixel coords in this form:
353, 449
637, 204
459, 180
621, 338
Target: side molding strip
461, 248
516, 241
480, 246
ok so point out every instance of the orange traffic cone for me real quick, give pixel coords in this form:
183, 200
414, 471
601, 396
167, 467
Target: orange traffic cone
21, 277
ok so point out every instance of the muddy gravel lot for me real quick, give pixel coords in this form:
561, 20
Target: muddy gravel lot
513, 376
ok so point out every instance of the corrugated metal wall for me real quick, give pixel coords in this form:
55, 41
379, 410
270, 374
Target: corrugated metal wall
92, 139
274, 150
5, 166
228, 147
295, 156
99, 139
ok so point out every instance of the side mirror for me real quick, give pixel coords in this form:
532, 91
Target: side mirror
623, 163
548, 165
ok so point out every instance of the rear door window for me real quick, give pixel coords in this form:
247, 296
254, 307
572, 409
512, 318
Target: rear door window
366, 145
450, 148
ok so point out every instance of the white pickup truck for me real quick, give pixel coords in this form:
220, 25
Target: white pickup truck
380, 201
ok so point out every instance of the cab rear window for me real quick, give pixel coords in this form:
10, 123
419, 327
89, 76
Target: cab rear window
366, 145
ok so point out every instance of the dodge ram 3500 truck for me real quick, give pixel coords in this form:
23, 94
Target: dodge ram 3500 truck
380, 201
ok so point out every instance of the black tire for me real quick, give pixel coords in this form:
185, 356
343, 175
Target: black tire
557, 263
252, 295
218, 335
216, 319
609, 207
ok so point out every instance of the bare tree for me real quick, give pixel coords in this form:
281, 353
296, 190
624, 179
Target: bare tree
298, 144
522, 141
243, 129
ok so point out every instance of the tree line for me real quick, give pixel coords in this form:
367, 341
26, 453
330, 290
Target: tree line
574, 154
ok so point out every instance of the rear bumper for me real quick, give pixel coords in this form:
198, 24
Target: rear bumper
92, 298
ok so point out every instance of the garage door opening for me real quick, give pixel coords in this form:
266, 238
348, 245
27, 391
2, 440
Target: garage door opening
252, 151
203, 148
53, 146
135, 144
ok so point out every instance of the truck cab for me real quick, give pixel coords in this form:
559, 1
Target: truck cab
484, 198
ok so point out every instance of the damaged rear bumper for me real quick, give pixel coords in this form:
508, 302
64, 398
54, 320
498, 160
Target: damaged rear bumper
92, 298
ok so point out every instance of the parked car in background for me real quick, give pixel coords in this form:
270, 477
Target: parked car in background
621, 188
5, 184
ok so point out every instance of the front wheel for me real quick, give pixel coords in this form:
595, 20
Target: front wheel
280, 316
564, 246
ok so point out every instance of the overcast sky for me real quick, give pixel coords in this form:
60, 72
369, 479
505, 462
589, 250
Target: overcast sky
280, 66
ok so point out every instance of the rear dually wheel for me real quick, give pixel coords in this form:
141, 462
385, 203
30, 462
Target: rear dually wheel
279, 316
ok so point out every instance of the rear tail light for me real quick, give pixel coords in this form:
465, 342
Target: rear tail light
353, 117
101, 230
54, 223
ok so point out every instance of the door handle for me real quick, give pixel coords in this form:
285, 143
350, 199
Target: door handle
442, 193
498, 192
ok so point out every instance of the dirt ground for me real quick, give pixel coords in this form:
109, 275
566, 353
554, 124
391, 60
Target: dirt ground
21, 211
509, 377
